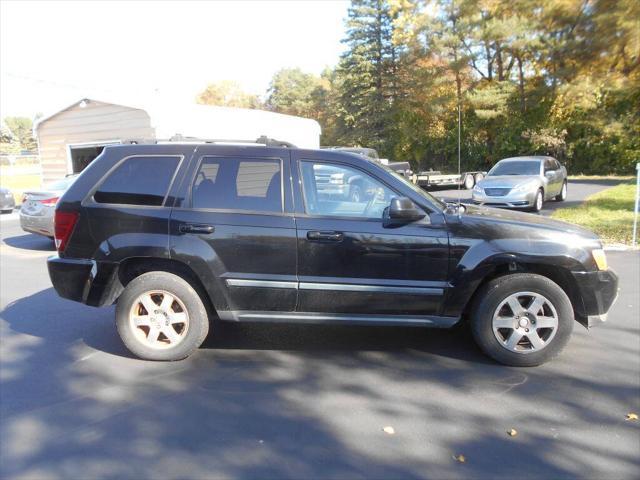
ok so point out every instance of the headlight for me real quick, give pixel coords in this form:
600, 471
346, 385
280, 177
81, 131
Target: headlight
522, 188
600, 258
477, 189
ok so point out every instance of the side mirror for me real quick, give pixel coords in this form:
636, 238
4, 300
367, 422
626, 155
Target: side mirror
549, 173
402, 210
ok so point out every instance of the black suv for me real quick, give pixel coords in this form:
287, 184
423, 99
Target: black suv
179, 234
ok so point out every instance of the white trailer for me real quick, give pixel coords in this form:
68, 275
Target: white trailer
433, 178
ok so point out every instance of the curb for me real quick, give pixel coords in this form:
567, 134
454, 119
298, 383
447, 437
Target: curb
619, 247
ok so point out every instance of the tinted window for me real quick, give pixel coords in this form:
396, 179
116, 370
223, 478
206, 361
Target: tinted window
238, 184
338, 190
516, 167
138, 180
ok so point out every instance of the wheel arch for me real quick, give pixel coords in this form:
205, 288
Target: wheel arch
505, 265
132, 267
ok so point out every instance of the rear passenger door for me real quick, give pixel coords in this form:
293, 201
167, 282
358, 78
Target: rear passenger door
233, 224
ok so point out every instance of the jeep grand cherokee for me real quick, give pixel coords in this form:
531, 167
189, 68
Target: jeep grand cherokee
179, 234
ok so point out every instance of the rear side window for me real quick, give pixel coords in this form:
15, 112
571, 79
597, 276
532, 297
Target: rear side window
250, 184
139, 180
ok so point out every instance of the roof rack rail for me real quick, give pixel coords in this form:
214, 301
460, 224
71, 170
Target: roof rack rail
263, 140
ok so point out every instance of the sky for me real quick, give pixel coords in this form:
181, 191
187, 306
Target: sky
53, 53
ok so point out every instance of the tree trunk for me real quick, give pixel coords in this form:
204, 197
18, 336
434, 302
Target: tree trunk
499, 62
523, 105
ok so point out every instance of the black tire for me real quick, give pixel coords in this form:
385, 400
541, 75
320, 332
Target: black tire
490, 297
538, 202
469, 182
562, 196
198, 325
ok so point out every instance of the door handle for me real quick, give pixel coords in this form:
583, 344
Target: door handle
315, 235
196, 228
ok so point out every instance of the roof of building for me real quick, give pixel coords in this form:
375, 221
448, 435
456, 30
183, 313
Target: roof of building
204, 121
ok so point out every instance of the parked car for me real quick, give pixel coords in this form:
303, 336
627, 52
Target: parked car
38, 206
522, 182
7, 202
244, 234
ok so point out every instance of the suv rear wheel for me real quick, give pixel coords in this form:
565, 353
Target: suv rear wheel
522, 319
161, 317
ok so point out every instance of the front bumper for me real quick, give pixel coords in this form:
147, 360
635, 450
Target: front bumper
599, 291
511, 200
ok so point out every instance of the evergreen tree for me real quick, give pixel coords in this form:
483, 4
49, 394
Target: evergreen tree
367, 76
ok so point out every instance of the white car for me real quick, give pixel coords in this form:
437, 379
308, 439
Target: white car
522, 182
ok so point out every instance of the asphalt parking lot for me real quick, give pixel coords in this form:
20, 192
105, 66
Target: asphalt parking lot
303, 402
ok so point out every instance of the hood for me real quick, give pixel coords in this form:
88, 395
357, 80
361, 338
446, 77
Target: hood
525, 220
507, 180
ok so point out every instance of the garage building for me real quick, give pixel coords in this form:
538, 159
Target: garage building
68, 140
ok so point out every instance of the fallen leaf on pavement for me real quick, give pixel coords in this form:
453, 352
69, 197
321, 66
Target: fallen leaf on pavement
389, 430
460, 458
513, 432
632, 416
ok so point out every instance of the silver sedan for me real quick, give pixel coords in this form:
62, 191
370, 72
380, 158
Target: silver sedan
38, 207
522, 182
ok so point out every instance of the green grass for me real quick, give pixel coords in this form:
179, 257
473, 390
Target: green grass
602, 177
608, 213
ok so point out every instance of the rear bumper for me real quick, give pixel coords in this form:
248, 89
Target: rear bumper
42, 225
7, 203
599, 291
70, 277
84, 281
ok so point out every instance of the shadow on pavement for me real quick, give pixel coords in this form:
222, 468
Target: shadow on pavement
282, 401
31, 241
96, 328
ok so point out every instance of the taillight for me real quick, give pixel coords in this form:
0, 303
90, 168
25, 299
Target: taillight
50, 201
63, 223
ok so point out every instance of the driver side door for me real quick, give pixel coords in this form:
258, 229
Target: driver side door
348, 262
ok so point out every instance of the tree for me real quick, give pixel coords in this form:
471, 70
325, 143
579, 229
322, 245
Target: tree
295, 93
228, 93
367, 71
22, 131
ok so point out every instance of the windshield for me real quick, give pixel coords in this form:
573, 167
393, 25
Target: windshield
413, 186
520, 167
62, 184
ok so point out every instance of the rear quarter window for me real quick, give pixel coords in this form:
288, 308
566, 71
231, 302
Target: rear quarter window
139, 180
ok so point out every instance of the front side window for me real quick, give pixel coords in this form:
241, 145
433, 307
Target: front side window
338, 190
139, 180
250, 184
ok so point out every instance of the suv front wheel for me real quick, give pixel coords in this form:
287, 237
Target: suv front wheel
160, 316
522, 319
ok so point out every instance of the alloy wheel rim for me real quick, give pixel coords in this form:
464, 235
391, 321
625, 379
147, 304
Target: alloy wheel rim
159, 319
564, 191
539, 201
525, 322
